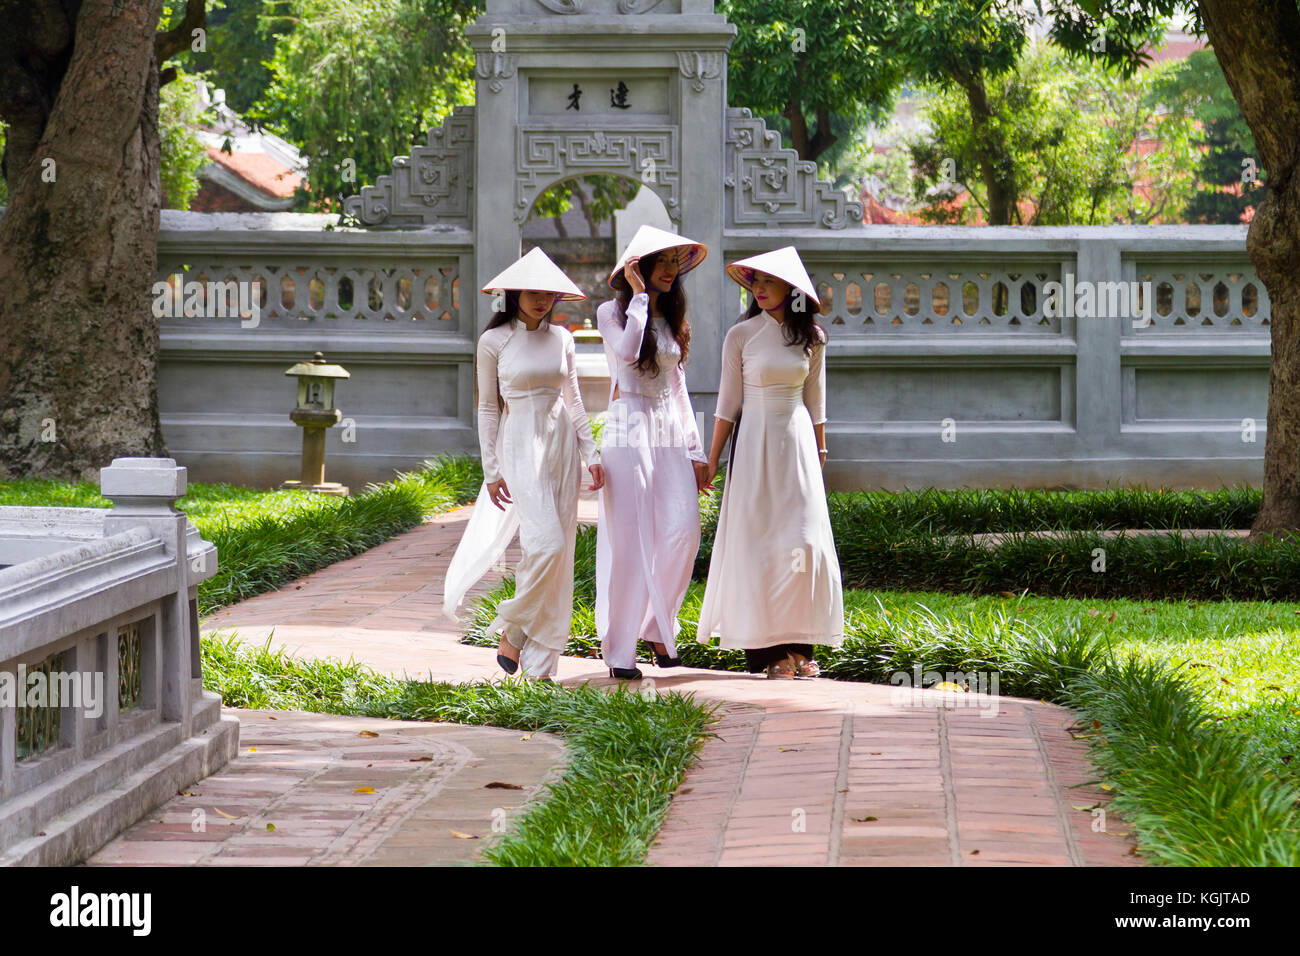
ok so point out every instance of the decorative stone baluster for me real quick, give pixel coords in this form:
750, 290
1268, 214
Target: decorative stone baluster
143, 492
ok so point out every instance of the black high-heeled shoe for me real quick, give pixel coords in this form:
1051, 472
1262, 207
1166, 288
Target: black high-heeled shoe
625, 673
507, 664
663, 660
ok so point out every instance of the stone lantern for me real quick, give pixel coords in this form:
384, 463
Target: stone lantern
315, 412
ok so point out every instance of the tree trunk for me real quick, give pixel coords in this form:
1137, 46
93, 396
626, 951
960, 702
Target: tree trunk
78, 242
995, 161
1257, 43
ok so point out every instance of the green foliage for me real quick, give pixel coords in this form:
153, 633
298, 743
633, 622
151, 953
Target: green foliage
1066, 129
357, 82
1195, 793
182, 153
1119, 33
625, 753
241, 37
1195, 88
828, 62
979, 511
959, 41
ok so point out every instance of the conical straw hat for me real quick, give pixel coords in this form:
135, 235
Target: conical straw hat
784, 263
537, 272
648, 239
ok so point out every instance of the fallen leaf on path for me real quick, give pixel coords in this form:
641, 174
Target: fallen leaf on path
364, 790
784, 749
462, 836
419, 759
367, 733
221, 813
974, 852
863, 819
498, 785
526, 737
270, 826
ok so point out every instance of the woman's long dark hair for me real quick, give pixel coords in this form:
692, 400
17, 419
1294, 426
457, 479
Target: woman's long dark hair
671, 303
501, 318
512, 310
799, 328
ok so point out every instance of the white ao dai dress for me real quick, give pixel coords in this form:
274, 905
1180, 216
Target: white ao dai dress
535, 446
649, 525
774, 577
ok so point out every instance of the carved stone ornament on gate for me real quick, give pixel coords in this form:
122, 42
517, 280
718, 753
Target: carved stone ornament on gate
698, 67
771, 186
496, 68
432, 185
545, 155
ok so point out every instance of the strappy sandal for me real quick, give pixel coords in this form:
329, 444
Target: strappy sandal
784, 669
806, 667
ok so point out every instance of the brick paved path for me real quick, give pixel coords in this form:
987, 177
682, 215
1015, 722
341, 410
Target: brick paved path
802, 772
299, 773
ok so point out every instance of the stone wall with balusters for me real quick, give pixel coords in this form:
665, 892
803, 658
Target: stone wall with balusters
946, 365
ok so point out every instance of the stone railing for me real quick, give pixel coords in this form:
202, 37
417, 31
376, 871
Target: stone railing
389, 306
947, 365
102, 710
954, 361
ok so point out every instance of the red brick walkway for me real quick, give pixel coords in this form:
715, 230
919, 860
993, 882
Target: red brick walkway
323, 790
802, 772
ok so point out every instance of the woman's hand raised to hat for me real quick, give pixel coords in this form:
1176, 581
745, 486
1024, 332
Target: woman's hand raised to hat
633, 275
499, 493
597, 477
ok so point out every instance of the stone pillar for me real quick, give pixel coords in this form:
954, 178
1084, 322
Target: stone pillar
1099, 379
143, 492
713, 305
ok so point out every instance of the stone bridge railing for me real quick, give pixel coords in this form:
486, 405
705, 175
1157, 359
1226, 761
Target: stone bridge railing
103, 715
953, 360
